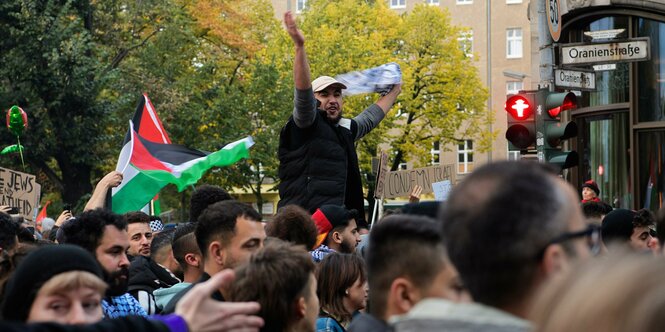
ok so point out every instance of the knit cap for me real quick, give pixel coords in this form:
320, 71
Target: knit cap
617, 226
36, 269
591, 184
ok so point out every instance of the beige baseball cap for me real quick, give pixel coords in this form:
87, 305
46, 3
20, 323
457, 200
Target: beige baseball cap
322, 82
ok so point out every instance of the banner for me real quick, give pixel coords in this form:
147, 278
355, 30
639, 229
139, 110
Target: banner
399, 183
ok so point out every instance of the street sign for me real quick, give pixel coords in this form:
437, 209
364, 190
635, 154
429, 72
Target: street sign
554, 18
636, 49
575, 79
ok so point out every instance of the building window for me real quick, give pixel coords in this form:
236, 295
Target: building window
513, 1
397, 3
465, 156
432, 2
465, 41
514, 87
436, 153
464, 2
401, 167
514, 43
300, 5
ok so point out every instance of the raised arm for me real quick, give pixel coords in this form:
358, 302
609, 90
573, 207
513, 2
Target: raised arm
304, 110
371, 116
98, 197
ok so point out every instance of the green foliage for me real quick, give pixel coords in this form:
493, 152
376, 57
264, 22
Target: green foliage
218, 71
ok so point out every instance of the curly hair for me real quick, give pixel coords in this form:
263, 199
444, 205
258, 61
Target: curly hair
87, 229
293, 224
204, 196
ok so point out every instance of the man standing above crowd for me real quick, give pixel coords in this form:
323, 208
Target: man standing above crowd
318, 161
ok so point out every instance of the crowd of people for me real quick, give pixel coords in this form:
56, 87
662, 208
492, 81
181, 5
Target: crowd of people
511, 249
482, 261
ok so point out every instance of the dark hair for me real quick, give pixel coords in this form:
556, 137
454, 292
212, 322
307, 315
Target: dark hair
161, 240
402, 246
293, 224
88, 228
218, 222
495, 224
595, 210
278, 296
8, 231
184, 242
135, 217
660, 225
202, 197
644, 218
25, 235
334, 275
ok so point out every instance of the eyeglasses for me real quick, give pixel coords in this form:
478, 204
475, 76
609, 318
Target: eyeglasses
592, 234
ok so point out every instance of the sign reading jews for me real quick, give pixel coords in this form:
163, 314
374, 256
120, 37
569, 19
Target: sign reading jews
399, 183
19, 190
636, 49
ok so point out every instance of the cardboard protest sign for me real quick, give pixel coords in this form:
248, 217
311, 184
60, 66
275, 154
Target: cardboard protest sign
19, 190
381, 176
399, 183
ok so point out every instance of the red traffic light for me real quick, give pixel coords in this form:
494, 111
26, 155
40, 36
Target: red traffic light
560, 102
519, 107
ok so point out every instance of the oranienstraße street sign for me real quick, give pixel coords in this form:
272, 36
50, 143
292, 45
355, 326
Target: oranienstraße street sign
575, 79
636, 49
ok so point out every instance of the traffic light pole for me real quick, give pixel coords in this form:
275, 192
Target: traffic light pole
540, 134
545, 45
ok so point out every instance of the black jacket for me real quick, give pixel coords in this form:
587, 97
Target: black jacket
145, 275
319, 165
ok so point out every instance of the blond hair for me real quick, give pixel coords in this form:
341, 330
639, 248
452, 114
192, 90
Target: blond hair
623, 292
71, 280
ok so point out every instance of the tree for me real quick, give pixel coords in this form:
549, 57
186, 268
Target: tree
49, 68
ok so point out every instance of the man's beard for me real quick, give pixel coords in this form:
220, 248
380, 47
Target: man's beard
346, 248
334, 120
117, 284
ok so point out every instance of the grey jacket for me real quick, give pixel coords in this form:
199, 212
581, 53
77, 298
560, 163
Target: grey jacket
443, 315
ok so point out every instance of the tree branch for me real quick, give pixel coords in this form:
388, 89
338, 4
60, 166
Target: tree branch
125, 51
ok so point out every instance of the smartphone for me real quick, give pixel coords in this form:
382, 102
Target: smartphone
66, 207
13, 210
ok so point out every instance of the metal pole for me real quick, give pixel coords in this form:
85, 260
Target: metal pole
545, 47
489, 70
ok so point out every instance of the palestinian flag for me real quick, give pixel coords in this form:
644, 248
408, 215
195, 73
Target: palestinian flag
147, 125
148, 166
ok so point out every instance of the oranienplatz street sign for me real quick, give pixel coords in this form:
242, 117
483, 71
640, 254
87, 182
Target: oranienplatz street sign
637, 49
575, 79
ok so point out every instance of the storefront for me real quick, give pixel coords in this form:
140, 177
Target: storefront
621, 140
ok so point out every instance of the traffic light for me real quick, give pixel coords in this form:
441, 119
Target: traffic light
554, 131
521, 130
